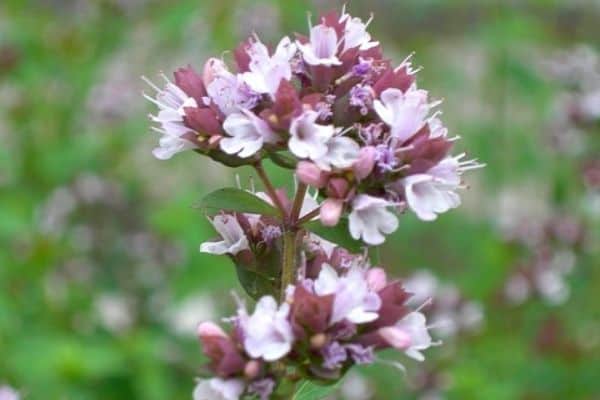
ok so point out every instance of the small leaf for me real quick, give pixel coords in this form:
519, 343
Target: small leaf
308, 390
255, 285
339, 234
232, 199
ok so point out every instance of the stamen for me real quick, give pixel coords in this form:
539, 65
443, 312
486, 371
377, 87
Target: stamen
152, 85
369, 20
425, 304
309, 17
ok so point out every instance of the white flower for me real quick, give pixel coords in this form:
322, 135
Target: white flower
433, 192
307, 138
266, 72
322, 47
409, 334
267, 332
171, 102
355, 33
370, 219
405, 113
342, 152
219, 389
247, 133
234, 238
354, 300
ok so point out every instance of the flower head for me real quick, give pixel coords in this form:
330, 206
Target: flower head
322, 47
370, 219
172, 102
267, 332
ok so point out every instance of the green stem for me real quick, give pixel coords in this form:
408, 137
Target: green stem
308, 217
289, 261
298, 201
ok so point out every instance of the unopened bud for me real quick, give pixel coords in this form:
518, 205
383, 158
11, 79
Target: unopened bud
377, 279
252, 369
318, 341
308, 173
207, 329
365, 163
331, 211
338, 188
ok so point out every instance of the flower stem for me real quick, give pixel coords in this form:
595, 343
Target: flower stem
289, 261
298, 201
269, 188
308, 216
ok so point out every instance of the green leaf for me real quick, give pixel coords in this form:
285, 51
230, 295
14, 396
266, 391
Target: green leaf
256, 285
339, 234
232, 199
308, 390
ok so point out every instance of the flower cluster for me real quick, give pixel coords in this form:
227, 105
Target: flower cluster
553, 257
324, 326
330, 106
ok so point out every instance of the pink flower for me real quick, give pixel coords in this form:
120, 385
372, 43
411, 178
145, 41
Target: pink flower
267, 72
370, 219
247, 134
322, 47
409, 334
405, 113
309, 139
355, 33
227, 91
354, 300
341, 153
433, 192
171, 102
267, 332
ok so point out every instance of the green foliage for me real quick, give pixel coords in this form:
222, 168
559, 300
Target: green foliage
237, 200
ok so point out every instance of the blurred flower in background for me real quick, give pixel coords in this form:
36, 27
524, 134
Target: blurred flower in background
102, 284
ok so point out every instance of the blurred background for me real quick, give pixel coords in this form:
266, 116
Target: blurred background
101, 281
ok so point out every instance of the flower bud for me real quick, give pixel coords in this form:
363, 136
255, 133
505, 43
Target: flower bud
377, 279
208, 329
365, 163
331, 211
318, 341
338, 188
395, 337
252, 369
212, 68
308, 173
